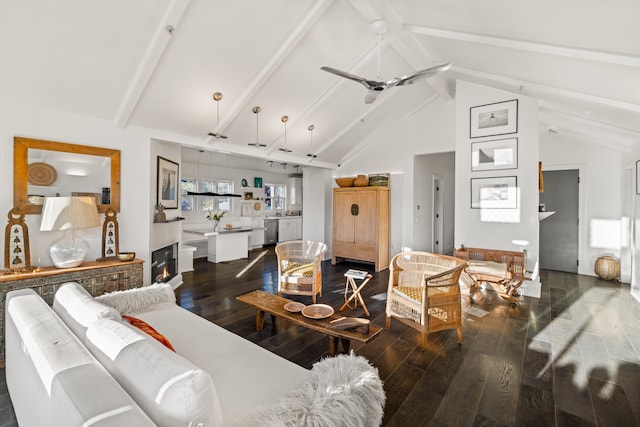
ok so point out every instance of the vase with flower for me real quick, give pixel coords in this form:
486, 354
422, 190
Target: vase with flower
215, 216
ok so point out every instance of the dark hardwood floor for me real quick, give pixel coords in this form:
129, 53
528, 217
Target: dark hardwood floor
569, 358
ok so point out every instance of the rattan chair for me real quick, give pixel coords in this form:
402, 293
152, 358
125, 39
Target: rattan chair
424, 292
300, 267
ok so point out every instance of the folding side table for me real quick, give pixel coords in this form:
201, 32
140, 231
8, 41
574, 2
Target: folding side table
352, 276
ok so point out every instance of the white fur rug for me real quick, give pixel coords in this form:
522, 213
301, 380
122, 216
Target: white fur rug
341, 391
137, 300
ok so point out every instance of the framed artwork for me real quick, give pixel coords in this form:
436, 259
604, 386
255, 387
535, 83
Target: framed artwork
638, 177
379, 180
494, 193
257, 182
500, 118
493, 155
167, 183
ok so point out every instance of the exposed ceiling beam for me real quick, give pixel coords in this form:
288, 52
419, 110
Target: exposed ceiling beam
168, 24
602, 133
515, 84
358, 120
305, 25
588, 55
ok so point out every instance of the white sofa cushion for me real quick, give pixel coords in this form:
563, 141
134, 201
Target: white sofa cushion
246, 376
169, 388
137, 300
52, 378
78, 309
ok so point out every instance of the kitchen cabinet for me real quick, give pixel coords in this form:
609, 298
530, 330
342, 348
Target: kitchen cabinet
361, 225
289, 229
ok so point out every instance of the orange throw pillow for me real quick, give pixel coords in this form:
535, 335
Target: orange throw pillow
148, 329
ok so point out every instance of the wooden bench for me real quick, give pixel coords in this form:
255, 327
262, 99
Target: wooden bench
503, 270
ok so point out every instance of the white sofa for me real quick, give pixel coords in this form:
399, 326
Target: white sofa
80, 363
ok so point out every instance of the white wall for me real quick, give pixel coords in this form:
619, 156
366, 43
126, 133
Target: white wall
430, 130
497, 228
600, 227
20, 120
316, 218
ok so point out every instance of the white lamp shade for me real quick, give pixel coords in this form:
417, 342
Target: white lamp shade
69, 213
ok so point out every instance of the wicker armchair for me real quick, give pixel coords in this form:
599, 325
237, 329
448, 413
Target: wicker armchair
299, 267
424, 292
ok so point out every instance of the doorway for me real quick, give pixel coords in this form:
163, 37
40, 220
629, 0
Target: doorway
559, 232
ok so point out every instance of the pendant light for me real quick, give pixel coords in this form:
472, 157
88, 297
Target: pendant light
284, 149
256, 110
217, 135
310, 129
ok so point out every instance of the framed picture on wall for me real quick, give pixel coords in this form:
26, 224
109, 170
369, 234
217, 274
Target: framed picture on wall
494, 193
167, 183
500, 118
494, 155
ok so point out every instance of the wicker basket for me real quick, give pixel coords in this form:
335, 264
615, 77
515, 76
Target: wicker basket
607, 268
345, 182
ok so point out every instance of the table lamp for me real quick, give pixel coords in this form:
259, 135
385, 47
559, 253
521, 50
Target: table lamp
68, 214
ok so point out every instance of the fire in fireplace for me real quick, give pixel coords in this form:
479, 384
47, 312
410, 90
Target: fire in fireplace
164, 263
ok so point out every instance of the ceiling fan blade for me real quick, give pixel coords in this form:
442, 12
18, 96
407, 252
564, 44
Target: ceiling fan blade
257, 144
422, 74
369, 84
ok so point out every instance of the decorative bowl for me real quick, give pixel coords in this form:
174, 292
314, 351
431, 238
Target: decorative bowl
317, 311
345, 182
126, 256
294, 307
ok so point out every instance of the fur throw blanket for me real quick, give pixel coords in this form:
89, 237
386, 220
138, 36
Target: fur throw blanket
138, 300
341, 391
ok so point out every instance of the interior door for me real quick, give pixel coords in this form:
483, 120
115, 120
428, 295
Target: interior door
559, 232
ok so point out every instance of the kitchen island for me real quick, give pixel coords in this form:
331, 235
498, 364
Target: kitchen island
225, 244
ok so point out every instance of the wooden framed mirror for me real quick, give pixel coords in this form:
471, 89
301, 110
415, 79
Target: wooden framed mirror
46, 168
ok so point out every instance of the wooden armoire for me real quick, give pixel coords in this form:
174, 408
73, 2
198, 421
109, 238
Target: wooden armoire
361, 225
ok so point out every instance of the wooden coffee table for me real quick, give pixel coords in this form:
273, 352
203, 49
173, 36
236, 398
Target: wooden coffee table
265, 302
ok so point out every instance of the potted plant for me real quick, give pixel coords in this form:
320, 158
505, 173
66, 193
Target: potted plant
215, 216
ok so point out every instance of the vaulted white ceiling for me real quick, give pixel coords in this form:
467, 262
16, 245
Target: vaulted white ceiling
156, 63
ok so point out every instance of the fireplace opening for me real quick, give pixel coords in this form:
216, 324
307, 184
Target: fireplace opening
164, 263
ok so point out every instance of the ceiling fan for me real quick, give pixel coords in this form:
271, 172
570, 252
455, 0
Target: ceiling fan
256, 144
375, 87
217, 135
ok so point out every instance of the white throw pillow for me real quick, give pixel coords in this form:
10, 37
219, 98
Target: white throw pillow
170, 389
78, 309
138, 300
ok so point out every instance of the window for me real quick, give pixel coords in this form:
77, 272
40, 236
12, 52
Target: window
275, 196
187, 184
214, 203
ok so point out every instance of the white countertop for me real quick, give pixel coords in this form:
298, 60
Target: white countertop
206, 232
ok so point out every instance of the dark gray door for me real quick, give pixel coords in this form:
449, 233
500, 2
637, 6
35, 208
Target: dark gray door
559, 232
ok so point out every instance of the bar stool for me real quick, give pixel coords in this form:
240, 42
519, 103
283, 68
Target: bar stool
356, 297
